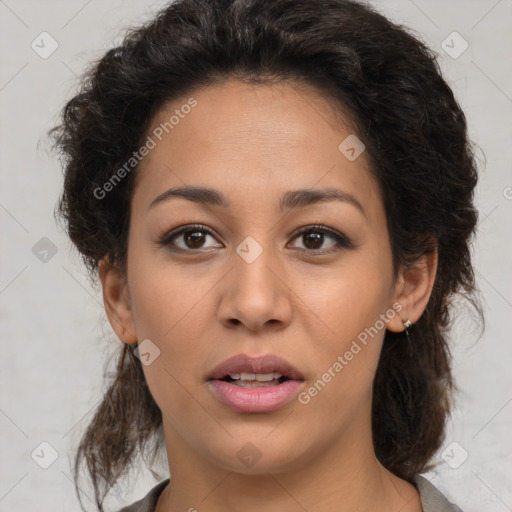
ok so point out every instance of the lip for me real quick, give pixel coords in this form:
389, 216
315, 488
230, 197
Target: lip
264, 399
257, 399
262, 364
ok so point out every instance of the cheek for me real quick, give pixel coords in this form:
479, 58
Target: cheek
347, 329
349, 298
174, 314
167, 299
170, 310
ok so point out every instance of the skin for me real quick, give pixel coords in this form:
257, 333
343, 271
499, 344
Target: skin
200, 307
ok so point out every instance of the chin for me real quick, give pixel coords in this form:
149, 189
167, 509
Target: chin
258, 454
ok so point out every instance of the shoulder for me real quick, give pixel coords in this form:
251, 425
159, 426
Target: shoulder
148, 503
432, 500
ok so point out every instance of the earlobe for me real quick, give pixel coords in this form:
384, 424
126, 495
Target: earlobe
413, 289
116, 300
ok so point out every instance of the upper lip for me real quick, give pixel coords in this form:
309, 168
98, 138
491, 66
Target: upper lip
248, 364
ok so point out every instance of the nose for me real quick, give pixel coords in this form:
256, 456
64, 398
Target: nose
255, 293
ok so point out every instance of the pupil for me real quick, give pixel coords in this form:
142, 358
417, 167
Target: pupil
314, 237
196, 237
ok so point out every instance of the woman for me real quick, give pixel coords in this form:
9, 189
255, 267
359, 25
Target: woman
277, 197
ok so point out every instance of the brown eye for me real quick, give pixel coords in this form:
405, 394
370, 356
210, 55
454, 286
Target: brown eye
194, 239
314, 238
189, 238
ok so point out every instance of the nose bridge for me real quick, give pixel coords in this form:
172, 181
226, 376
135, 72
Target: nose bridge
253, 260
255, 293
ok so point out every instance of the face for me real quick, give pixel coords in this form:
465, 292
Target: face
271, 272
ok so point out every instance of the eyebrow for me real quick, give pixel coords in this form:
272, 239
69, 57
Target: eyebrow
290, 200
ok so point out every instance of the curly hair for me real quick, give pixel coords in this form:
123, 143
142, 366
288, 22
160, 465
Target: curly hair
388, 82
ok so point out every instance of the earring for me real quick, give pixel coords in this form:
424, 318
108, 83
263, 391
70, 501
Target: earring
408, 324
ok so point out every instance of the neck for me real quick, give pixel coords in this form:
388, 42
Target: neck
346, 476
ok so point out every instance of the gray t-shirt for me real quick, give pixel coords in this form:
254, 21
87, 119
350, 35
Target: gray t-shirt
432, 500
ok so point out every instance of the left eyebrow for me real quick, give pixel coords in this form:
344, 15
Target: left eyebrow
305, 197
290, 200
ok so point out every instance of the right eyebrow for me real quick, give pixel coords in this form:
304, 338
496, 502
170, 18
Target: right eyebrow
197, 194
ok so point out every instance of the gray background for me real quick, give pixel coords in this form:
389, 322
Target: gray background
55, 338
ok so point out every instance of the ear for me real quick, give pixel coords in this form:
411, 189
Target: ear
412, 290
116, 299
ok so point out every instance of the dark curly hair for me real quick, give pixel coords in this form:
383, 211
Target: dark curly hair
389, 85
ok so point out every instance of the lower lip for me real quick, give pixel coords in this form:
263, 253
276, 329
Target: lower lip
262, 399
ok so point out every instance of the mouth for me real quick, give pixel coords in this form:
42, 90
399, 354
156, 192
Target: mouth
255, 380
260, 370
255, 384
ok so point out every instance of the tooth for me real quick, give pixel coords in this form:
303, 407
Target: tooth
259, 377
262, 377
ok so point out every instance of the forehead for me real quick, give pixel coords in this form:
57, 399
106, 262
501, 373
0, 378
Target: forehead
252, 141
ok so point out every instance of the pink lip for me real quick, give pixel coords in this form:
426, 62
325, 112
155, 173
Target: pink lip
262, 364
264, 399
257, 399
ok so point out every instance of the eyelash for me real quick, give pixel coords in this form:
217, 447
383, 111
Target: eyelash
342, 242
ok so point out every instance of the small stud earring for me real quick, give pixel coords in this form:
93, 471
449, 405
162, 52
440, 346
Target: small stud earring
407, 324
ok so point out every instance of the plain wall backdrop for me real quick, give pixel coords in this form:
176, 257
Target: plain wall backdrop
55, 337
